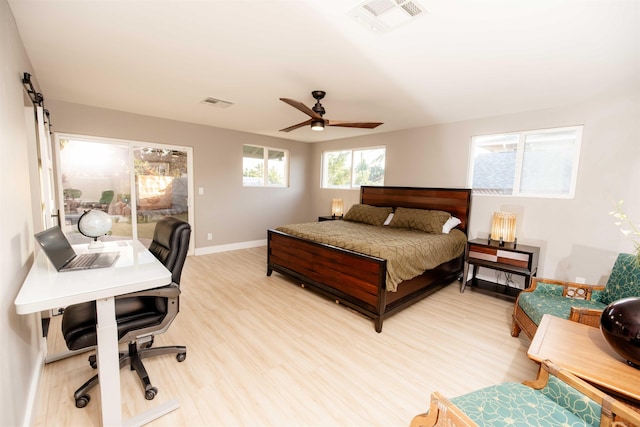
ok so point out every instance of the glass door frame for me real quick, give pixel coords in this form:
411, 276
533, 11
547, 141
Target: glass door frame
132, 145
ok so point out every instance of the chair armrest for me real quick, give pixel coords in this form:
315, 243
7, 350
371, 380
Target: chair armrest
586, 316
570, 289
442, 412
170, 291
612, 409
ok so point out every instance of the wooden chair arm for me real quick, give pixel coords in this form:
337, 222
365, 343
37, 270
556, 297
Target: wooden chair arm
570, 289
586, 316
442, 412
612, 409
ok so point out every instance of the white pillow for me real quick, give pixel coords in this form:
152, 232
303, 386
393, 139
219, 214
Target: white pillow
450, 224
388, 220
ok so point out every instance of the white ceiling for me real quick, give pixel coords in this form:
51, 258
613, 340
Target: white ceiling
463, 59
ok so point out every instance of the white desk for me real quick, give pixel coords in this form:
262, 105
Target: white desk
136, 269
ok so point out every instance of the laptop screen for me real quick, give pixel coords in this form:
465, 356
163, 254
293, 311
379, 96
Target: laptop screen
56, 246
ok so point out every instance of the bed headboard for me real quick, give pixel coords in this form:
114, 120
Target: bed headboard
456, 201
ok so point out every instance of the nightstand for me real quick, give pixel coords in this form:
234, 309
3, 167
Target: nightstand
518, 259
329, 218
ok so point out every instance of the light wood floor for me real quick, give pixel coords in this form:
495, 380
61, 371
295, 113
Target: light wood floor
265, 352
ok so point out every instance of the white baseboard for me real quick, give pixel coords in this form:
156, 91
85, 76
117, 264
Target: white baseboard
230, 247
32, 398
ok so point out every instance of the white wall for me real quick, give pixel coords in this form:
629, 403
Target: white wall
231, 212
20, 359
577, 236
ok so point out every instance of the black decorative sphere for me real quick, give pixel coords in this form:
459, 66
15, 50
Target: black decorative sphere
620, 326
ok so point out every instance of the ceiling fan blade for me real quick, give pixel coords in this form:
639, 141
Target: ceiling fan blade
294, 127
300, 106
361, 125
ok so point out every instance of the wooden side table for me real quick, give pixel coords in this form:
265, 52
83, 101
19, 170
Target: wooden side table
512, 258
329, 218
583, 350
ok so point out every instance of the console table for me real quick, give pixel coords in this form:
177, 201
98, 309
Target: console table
511, 258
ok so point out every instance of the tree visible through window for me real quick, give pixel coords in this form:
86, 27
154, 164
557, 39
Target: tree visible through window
256, 159
541, 163
353, 168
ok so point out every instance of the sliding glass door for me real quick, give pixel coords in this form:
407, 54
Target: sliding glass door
95, 175
135, 183
162, 186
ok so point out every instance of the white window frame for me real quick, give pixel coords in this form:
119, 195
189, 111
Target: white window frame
132, 145
351, 185
521, 136
265, 159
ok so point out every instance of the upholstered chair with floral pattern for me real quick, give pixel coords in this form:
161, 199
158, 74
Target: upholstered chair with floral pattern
579, 302
555, 398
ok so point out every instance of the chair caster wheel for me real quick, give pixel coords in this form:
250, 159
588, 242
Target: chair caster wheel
93, 361
83, 401
151, 393
181, 356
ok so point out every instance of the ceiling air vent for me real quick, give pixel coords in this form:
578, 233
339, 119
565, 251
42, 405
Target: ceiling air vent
217, 102
381, 16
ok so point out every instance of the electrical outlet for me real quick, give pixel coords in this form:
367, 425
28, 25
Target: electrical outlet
209, 236
580, 279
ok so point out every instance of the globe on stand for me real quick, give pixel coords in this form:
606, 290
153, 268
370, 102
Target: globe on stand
94, 223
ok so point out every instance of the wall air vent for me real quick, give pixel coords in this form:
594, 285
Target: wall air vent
217, 102
381, 16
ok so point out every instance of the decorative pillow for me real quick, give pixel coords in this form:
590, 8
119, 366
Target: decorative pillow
420, 219
450, 224
367, 214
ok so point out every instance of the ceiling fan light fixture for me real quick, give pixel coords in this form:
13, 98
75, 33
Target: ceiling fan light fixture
316, 120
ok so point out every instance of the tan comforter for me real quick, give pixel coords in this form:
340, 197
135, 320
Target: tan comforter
408, 253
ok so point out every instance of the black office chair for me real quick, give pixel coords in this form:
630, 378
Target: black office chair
140, 315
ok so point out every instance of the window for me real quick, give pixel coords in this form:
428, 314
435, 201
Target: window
353, 168
256, 160
541, 163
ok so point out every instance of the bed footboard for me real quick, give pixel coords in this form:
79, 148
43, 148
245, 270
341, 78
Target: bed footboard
351, 278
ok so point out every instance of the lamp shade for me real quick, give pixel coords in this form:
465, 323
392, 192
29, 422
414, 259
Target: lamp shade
337, 208
503, 227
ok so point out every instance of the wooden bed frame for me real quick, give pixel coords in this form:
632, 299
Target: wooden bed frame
357, 280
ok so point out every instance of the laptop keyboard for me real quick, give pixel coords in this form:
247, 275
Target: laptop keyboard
85, 260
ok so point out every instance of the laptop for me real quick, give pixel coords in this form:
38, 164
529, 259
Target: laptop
64, 258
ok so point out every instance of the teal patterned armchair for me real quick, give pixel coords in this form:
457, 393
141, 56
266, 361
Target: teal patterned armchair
574, 301
555, 398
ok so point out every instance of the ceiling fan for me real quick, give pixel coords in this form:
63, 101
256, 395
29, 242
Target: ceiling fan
316, 121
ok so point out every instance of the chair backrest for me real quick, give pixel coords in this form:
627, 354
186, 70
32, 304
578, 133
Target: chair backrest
106, 197
170, 245
624, 280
